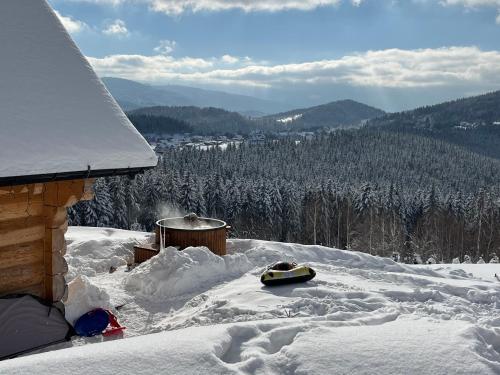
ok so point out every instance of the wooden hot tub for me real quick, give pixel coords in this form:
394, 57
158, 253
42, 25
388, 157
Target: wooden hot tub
192, 230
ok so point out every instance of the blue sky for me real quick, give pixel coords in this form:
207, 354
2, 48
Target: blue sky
387, 53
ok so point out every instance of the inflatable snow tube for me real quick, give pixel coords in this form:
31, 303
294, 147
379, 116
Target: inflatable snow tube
286, 273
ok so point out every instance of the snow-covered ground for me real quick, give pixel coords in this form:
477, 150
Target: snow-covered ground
193, 312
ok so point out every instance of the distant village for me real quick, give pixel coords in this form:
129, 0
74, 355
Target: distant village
163, 142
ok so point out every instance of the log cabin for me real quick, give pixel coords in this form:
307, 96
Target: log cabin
59, 130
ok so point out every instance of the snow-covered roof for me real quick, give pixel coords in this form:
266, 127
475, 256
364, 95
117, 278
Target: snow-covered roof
56, 116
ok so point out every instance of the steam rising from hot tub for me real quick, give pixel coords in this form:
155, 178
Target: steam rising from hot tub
170, 210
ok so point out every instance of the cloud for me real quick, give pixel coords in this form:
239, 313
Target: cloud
391, 68
104, 2
72, 25
475, 4
228, 59
149, 68
166, 47
472, 3
176, 7
116, 28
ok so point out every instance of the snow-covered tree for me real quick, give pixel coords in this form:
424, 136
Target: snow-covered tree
366, 190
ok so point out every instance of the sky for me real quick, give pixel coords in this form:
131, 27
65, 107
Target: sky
391, 54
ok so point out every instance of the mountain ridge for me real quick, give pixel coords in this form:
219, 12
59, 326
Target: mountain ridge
335, 114
472, 122
338, 114
133, 95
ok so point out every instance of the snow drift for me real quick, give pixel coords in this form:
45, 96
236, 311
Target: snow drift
83, 296
173, 273
194, 312
93, 251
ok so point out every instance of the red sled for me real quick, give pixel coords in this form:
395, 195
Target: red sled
114, 327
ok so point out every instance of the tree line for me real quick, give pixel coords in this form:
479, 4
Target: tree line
408, 195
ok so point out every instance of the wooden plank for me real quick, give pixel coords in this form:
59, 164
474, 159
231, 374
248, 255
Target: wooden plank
5, 190
66, 193
16, 278
21, 223
21, 231
56, 288
36, 290
36, 189
35, 208
21, 197
22, 254
64, 249
55, 217
148, 246
64, 226
69, 192
54, 240
214, 239
55, 264
14, 198
20, 206
32, 189
20, 189
50, 194
144, 252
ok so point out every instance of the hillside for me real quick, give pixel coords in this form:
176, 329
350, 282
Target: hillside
345, 188
193, 312
149, 124
473, 123
199, 120
349, 158
342, 113
345, 113
132, 95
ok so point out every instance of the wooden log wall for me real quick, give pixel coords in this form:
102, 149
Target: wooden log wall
33, 222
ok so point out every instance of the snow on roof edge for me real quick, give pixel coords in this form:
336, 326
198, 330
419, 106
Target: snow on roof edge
80, 123
110, 97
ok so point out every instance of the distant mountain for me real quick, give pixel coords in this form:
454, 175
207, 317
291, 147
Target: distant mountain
150, 124
342, 113
253, 114
470, 122
201, 120
132, 95
467, 113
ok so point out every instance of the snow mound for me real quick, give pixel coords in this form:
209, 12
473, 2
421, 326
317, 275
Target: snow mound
84, 296
175, 273
262, 253
195, 312
95, 250
172, 273
403, 346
